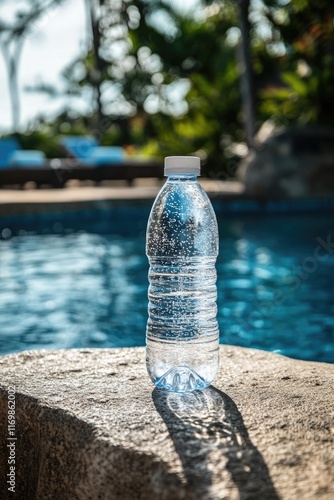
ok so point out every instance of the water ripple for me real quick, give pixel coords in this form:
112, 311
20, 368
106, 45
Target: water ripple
75, 289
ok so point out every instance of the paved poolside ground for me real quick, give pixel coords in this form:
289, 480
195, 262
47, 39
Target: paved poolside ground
142, 189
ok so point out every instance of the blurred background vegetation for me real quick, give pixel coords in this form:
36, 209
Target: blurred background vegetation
164, 81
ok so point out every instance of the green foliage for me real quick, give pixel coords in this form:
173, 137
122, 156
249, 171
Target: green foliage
303, 33
141, 87
165, 81
196, 53
43, 140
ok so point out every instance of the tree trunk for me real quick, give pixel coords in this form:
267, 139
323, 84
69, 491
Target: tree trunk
12, 61
246, 73
14, 95
92, 6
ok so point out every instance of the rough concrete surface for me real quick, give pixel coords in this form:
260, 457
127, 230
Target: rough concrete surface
90, 425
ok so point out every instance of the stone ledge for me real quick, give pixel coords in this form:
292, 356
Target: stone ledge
89, 426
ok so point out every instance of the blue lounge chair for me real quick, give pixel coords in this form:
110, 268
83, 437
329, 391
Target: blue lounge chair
27, 159
87, 151
7, 147
12, 156
19, 166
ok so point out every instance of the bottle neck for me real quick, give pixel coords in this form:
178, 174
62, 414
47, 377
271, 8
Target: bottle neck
182, 178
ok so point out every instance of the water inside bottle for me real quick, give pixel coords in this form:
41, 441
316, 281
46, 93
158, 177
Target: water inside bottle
182, 331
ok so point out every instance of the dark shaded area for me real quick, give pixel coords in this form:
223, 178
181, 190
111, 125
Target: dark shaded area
65, 170
213, 444
58, 456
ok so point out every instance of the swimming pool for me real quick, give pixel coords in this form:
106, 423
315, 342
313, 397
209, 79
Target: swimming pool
79, 279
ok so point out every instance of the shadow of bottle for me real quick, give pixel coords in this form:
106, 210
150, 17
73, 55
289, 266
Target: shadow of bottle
218, 458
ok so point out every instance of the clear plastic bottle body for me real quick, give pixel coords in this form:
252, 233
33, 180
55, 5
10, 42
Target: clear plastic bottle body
182, 335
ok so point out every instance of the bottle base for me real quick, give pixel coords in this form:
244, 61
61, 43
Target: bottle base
181, 379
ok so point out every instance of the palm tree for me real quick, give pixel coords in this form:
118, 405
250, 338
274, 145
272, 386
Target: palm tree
12, 37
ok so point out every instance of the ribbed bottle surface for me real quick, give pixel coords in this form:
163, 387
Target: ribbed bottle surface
182, 331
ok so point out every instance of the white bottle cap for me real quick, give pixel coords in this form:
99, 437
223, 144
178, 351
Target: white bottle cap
182, 165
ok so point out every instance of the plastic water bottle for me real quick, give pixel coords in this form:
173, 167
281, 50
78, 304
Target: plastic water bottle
182, 335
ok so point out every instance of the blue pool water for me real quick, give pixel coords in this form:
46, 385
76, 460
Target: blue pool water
79, 279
